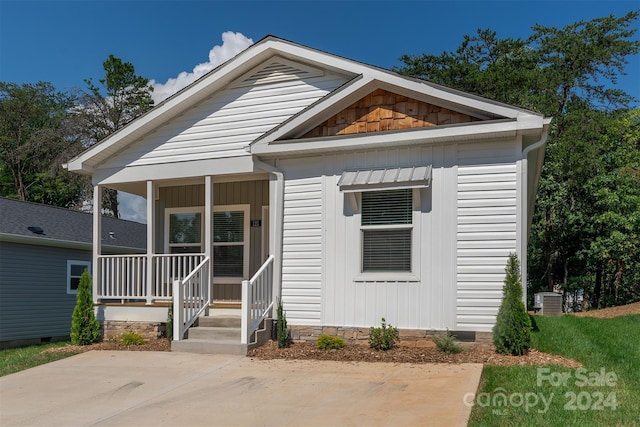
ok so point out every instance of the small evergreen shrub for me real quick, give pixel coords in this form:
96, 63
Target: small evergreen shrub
328, 342
283, 332
384, 337
512, 331
131, 338
85, 329
169, 328
447, 343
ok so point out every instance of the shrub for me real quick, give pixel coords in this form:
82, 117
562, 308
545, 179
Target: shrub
85, 329
169, 328
131, 338
328, 342
283, 333
384, 337
512, 331
447, 343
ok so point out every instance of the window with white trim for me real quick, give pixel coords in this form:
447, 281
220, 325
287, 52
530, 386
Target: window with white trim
231, 226
184, 230
386, 224
74, 273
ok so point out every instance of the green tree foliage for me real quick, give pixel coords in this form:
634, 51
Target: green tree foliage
585, 228
512, 331
34, 142
283, 332
85, 329
120, 97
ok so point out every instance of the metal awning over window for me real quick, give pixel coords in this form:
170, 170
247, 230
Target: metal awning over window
386, 178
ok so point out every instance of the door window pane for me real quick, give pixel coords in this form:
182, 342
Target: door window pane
228, 226
228, 261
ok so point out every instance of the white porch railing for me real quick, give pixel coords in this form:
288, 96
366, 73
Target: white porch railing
257, 299
190, 298
125, 277
170, 267
122, 277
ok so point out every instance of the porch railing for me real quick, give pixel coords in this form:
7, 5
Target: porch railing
170, 267
257, 300
190, 298
125, 277
122, 277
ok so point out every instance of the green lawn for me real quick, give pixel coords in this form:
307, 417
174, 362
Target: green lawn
18, 359
605, 393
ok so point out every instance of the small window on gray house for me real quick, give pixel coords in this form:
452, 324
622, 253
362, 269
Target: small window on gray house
74, 272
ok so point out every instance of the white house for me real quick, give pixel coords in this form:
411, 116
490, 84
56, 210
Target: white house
354, 192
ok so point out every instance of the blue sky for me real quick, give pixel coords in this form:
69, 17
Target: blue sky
65, 42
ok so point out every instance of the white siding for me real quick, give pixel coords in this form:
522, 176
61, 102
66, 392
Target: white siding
464, 231
302, 246
223, 125
329, 268
487, 230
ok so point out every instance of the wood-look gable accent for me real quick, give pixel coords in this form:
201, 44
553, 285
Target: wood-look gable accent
382, 111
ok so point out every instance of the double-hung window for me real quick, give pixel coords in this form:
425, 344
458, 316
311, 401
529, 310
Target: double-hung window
388, 203
74, 273
184, 230
386, 225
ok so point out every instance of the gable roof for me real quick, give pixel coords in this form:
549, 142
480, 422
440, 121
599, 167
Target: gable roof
39, 224
273, 58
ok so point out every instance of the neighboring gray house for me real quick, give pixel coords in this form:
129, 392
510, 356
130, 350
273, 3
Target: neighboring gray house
43, 251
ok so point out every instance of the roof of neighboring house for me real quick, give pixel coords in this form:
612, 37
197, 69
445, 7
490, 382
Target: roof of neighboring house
39, 224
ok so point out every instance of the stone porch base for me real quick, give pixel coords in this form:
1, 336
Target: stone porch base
148, 330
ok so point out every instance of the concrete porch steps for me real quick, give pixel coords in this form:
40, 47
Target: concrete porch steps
219, 333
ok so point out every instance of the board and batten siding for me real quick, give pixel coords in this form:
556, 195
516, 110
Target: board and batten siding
464, 230
419, 304
34, 302
322, 245
487, 229
254, 193
222, 126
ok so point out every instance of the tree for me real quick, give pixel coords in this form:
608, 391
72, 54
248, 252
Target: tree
85, 329
585, 199
512, 331
34, 142
120, 97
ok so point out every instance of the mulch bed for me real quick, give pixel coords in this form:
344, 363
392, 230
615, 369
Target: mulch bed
472, 353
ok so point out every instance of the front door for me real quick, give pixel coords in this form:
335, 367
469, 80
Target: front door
231, 251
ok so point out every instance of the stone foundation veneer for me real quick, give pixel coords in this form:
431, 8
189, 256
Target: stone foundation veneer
408, 337
148, 330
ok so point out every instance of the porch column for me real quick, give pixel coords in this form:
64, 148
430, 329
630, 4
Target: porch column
97, 239
151, 234
208, 231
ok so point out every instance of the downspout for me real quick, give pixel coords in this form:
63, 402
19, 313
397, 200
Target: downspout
278, 219
525, 205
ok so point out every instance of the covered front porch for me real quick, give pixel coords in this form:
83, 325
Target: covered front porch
210, 243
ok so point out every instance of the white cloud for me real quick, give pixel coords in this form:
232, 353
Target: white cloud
132, 207
232, 44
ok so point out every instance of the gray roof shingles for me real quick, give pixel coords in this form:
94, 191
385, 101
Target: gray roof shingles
67, 225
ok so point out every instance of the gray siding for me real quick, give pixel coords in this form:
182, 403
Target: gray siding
34, 302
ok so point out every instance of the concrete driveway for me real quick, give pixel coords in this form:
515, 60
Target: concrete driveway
120, 388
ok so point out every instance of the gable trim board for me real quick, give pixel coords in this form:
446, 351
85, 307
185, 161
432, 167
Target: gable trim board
293, 111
